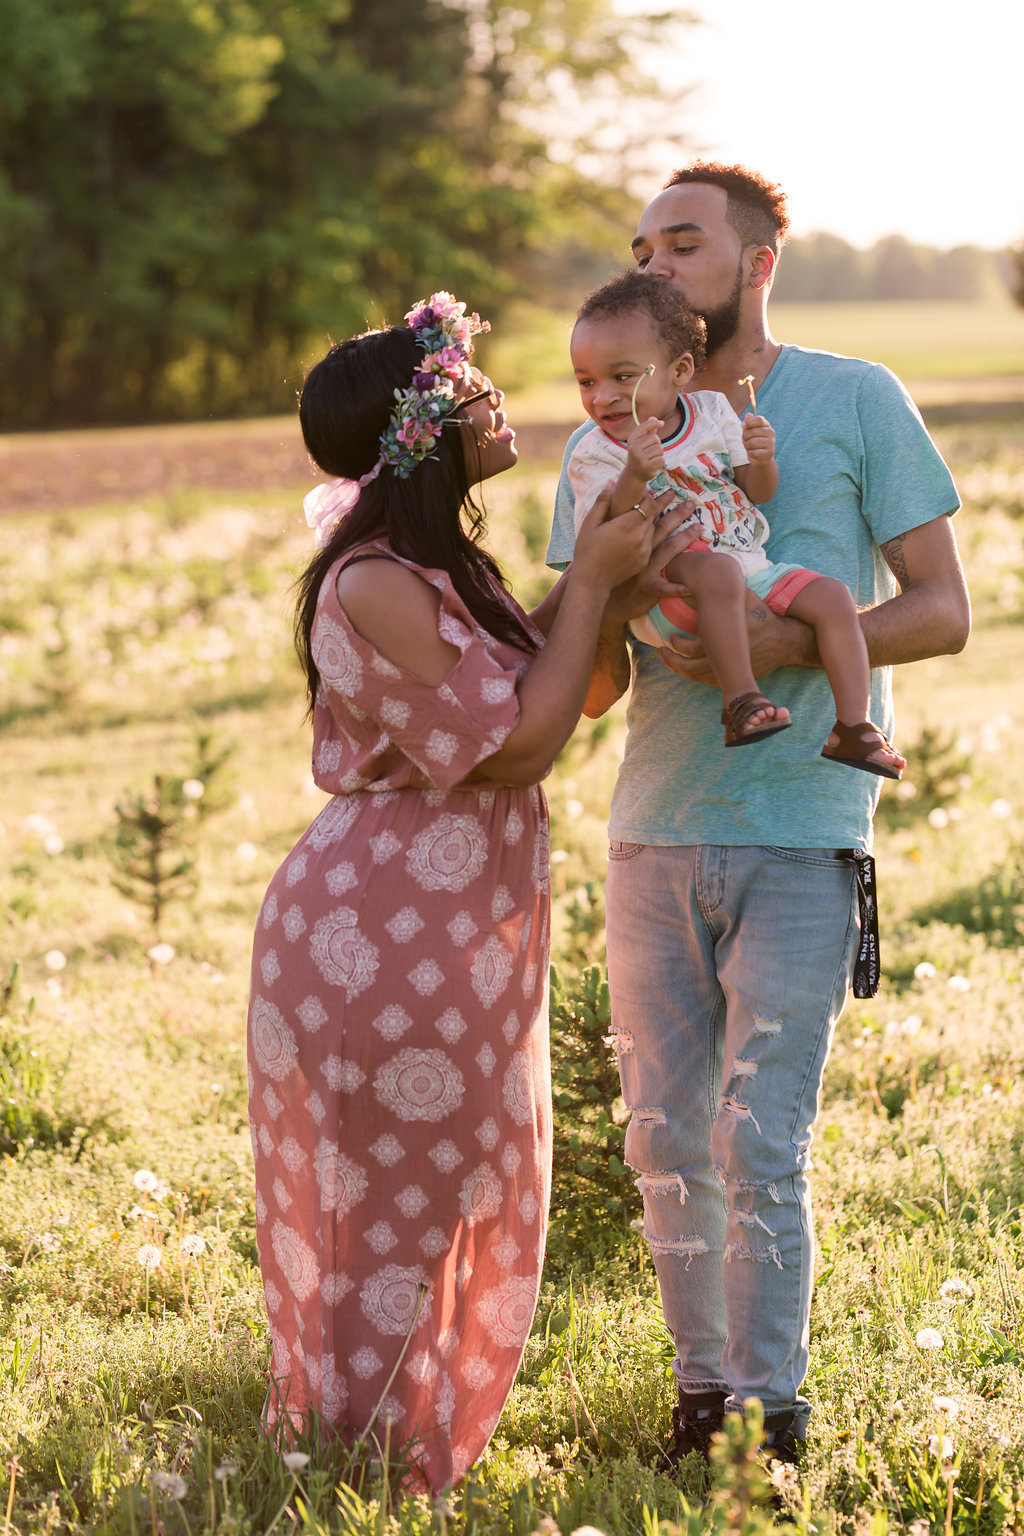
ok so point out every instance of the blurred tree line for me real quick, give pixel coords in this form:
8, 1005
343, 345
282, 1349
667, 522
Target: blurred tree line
825, 267
194, 194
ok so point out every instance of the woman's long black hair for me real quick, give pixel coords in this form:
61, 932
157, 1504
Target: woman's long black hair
345, 404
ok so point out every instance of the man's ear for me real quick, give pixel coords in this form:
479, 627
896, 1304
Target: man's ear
683, 369
762, 266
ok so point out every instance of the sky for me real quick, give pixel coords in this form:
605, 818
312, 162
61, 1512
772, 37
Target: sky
883, 117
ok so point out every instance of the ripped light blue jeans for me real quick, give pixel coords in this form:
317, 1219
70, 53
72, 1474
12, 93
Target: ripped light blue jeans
728, 969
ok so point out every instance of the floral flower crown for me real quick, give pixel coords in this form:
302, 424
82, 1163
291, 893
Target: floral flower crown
445, 332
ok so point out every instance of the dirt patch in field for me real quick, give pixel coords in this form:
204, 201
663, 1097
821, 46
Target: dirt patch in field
53, 472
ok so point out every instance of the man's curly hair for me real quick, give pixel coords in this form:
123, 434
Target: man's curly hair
756, 208
674, 321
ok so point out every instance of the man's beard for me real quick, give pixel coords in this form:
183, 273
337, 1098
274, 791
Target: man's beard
723, 322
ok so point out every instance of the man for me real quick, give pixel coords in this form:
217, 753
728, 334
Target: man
731, 897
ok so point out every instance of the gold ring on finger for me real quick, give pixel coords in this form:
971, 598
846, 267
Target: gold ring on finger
636, 507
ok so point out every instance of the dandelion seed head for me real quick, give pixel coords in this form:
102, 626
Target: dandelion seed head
145, 1180
171, 1484
193, 789
246, 853
192, 1245
911, 1025
55, 959
149, 1256
53, 844
959, 984
225, 1470
295, 1461
906, 790
161, 954
947, 1405
941, 1445
925, 971
999, 809
954, 1286
938, 818
559, 856
928, 1338
574, 808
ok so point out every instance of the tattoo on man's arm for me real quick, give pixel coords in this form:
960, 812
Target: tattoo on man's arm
894, 558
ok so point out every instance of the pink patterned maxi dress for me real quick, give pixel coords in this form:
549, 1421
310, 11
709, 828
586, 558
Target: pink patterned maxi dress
400, 1097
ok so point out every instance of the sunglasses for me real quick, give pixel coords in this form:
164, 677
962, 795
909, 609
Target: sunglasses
490, 395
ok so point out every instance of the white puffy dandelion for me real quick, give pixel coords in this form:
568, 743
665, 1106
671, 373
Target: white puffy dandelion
225, 1470
929, 1338
170, 1484
959, 984
558, 856
947, 1405
192, 1245
941, 1445
911, 1025
145, 1180
938, 818
55, 959
161, 954
245, 853
574, 808
53, 844
149, 1256
954, 1286
193, 789
999, 809
295, 1461
924, 971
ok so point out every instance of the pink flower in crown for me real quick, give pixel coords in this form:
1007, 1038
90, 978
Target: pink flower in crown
446, 360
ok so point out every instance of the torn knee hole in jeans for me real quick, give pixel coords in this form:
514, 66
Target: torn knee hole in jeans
621, 1041
686, 1248
657, 1184
770, 1255
752, 1219
764, 1026
649, 1117
732, 1105
744, 1068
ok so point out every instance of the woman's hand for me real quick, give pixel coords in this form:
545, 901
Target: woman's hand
673, 532
610, 550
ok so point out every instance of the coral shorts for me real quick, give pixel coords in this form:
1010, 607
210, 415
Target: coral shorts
774, 582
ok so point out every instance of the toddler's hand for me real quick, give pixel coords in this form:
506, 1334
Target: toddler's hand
646, 455
758, 439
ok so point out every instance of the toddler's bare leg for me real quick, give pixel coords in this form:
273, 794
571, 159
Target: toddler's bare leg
720, 595
828, 606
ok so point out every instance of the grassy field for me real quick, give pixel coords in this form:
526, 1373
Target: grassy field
941, 350
153, 639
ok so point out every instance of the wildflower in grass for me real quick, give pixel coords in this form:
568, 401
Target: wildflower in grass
959, 984
938, 818
1000, 809
55, 844
145, 1180
574, 808
919, 1528
161, 954
910, 1025
170, 1484
55, 959
906, 790
929, 1338
941, 1445
193, 789
295, 1461
149, 1256
954, 1287
225, 1470
192, 1245
947, 1405
53, 986
245, 853
924, 971
558, 856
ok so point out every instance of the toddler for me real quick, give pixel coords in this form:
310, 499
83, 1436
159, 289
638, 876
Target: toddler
635, 347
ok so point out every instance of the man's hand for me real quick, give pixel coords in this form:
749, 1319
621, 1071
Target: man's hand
774, 642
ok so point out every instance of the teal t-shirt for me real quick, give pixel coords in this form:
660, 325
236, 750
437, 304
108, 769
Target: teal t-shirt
856, 469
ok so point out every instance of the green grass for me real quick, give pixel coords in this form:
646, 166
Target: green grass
127, 634
957, 348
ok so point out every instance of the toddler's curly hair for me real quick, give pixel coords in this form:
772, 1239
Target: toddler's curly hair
676, 324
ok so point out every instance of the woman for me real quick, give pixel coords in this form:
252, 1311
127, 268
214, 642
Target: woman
399, 1083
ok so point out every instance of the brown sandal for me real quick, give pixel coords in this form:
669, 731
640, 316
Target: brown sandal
739, 710
856, 743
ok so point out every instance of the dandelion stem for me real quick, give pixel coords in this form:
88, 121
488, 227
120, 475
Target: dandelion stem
646, 374
401, 1356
